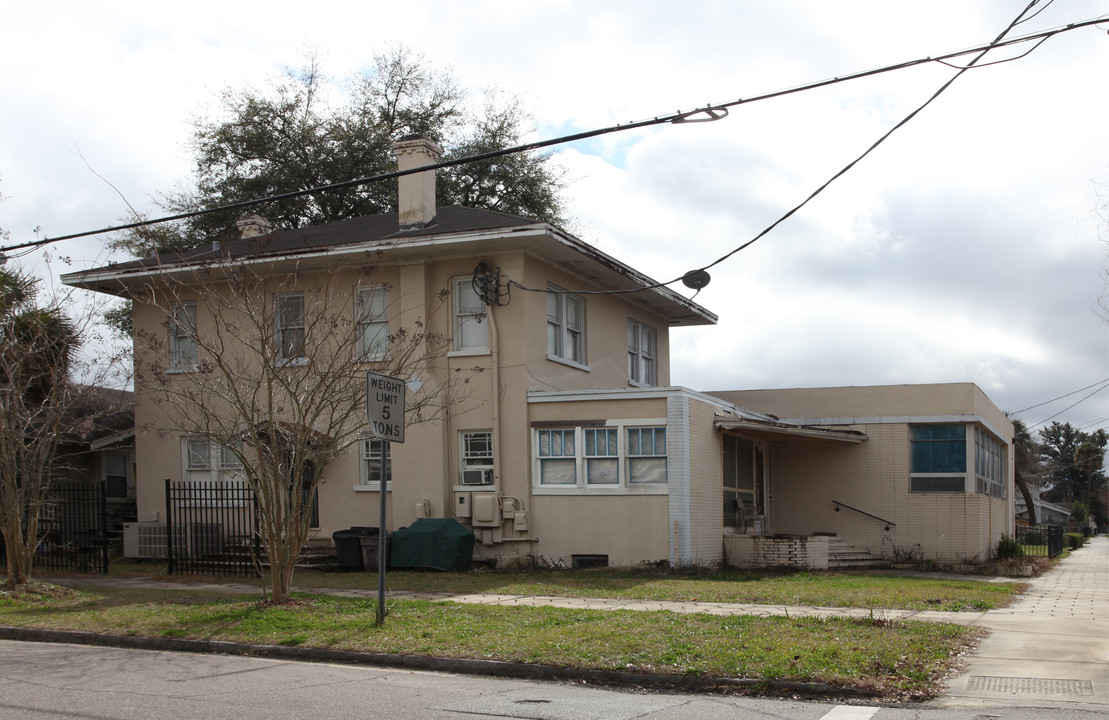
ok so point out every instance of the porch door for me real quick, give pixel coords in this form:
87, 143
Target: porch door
762, 474
744, 482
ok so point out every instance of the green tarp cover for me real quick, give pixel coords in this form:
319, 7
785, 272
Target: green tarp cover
441, 543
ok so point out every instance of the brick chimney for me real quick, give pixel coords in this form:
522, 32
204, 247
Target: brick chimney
253, 225
416, 193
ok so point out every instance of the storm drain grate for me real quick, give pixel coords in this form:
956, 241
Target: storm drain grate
1030, 686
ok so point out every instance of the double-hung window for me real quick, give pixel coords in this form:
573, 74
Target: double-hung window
610, 458
372, 451
641, 354
565, 326
183, 353
476, 455
602, 456
646, 455
469, 317
558, 463
213, 471
371, 308
290, 326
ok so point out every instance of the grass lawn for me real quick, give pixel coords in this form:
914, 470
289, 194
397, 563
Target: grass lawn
904, 659
827, 589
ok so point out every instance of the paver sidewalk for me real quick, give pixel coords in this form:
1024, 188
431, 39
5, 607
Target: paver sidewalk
1049, 649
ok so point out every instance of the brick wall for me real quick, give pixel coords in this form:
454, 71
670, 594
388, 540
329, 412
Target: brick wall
756, 551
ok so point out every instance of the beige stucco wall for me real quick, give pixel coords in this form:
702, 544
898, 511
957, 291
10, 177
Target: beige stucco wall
606, 331
426, 466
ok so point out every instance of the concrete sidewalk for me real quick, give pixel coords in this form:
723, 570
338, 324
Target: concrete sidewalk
1051, 648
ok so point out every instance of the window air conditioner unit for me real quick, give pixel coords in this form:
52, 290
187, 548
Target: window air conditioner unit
480, 476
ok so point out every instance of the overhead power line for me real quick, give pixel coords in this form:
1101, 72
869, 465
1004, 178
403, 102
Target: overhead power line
706, 113
1048, 402
1069, 407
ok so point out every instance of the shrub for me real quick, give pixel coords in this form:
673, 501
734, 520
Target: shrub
1008, 547
1075, 540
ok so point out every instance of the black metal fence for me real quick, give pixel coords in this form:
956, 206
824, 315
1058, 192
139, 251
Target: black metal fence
74, 529
211, 529
1041, 540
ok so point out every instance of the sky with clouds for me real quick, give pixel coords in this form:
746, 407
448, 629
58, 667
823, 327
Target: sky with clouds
968, 247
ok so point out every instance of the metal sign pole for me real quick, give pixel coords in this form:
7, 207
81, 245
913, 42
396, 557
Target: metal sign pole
385, 413
381, 536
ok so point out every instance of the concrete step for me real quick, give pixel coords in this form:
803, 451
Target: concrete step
842, 555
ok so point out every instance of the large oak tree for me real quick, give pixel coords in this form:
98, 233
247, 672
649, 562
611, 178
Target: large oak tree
305, 131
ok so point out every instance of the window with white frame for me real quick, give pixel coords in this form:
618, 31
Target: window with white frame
289, 322
476, 450
207, 461
183, 354
469, 317
371, 308
370, 476
646, 455
558, 459
600, 458
641, 354
565, 325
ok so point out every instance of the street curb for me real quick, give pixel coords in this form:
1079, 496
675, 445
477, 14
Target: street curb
494, 668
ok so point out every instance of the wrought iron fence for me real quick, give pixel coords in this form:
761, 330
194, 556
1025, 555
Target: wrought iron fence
1041, 540
74, 529
211, 528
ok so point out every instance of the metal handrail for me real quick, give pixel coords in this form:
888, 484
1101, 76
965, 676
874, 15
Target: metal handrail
838, 504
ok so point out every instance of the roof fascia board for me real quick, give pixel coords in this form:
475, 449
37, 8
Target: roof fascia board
430, 242
778, 429
111, 440
674, 391
180, 267
901, 419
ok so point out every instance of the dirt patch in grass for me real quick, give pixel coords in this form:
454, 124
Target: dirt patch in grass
37, 591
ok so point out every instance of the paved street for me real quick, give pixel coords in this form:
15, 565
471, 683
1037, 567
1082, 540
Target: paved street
45, 680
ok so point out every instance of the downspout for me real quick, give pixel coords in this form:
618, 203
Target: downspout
495, 371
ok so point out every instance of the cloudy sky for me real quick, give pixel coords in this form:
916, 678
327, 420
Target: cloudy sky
966, 248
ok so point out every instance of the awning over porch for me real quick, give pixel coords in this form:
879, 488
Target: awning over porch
768, 430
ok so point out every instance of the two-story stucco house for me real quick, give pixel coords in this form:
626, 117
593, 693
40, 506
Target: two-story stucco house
571, 444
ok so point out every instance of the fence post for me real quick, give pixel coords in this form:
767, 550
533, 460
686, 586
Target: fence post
169, 530
104, 525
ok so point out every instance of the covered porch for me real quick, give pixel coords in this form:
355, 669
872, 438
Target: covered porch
753, 514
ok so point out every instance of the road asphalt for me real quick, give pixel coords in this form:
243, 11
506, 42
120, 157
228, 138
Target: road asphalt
1050, 649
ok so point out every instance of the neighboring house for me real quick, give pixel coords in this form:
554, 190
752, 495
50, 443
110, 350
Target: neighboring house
1047, 513
573, 447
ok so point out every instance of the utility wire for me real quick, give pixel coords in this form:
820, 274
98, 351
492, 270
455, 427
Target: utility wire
1048, 402
997, 42
1095, 392
705, 113
981, 52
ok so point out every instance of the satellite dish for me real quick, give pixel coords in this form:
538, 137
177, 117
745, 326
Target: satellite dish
696, 279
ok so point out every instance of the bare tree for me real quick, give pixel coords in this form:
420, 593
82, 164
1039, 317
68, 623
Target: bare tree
49, 397
268, 363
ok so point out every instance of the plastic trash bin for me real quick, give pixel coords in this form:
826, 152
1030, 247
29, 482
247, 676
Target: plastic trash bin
348, 546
